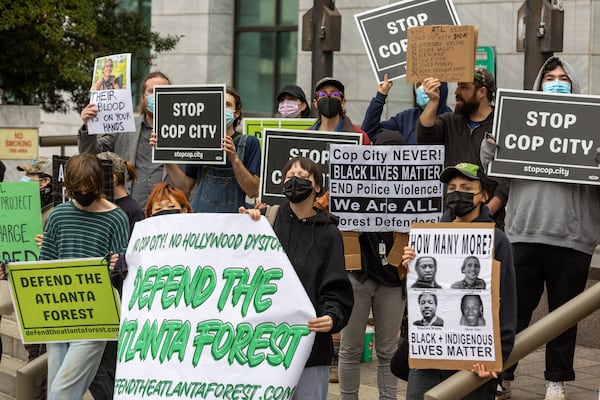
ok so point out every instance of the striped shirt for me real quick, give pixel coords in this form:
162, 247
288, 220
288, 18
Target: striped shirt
74, 233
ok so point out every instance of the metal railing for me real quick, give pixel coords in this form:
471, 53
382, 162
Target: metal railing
528, 340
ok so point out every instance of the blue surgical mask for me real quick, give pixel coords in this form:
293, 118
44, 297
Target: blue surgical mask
229, 117
25, 178
556, 86
150, 101
421, 97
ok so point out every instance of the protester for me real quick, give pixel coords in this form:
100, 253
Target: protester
87, 226
405, 121
428, 306
314, 246
223, 188
468, 189
292, 103
40, 170
377, 287
132, 146
470, 268
554, 230
462, 131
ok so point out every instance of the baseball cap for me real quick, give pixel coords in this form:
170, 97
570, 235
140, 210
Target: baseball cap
118, 163
330, 81
40, 165
469, 171
292, 90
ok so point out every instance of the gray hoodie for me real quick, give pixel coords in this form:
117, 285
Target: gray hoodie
552, 213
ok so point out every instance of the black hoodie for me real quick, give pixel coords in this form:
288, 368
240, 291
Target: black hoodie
315, 248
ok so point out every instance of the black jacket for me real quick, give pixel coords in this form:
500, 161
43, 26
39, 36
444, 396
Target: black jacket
372, 266
315, 248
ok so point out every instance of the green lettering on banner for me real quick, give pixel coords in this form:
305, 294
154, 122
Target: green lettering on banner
156, 341
253, 291
20, 220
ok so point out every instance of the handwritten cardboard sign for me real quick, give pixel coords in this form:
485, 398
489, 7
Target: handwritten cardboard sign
446, 52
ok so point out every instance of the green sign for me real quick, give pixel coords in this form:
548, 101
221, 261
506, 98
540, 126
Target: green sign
20, 220
64, 300
485, 56
255, 126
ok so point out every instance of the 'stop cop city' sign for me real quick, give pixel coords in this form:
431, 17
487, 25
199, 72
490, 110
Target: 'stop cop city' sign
384, 31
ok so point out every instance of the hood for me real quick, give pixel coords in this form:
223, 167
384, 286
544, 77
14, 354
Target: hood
575, 87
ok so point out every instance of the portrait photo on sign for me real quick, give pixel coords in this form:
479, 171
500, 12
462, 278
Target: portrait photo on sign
111, 72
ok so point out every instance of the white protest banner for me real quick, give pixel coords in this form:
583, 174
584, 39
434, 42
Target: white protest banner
111, 94
547, 136
384, 31
212, 309
453, 297
385, 188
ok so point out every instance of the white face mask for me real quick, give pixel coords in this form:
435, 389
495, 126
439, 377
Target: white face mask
289, 108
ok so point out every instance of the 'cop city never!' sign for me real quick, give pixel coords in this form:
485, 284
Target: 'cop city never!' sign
548, 137
384, 31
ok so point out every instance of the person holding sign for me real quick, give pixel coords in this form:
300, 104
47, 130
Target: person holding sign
87, 226
108, 80
554, 230
132, 146
428, 306
405, 121
313, 243
462, 131
467, 190
470, 268
223, 188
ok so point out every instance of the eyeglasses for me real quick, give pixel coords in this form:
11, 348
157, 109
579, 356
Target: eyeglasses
334, 93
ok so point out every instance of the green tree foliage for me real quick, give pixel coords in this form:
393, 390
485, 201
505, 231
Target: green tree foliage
48, 48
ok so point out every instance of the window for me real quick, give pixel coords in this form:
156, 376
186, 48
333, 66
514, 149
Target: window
266, 48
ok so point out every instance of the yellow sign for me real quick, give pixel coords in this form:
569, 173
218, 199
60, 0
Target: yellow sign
64, 300
18, 143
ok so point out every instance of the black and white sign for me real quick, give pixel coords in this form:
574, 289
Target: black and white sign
385, 188
548, 137
189, 122
280, 145
384, 31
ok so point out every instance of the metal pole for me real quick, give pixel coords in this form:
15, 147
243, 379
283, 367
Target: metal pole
534, 57
322, 61
528, 340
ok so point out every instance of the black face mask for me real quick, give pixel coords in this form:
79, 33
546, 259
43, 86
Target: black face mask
297, 189
329, 107
167, 212
85, 199
460, 203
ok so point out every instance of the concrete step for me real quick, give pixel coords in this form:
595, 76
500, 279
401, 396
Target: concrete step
12, 345
8, 374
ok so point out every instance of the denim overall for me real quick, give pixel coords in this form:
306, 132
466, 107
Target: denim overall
218, 190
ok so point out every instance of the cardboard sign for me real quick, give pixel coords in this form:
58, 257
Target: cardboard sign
280, 145
384, 31
255, 126
445, 52
547, 137
20, 220
59, 189
111, 94
64, 300
385, 188
211, 305
18, 143
453, 297
190, 124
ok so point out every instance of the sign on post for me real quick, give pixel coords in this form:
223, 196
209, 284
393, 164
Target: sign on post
453, 313
547, 137
445, 52
190, 124
212, 309
385, 188
64, 300
20, 220
280, 145
384, 31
